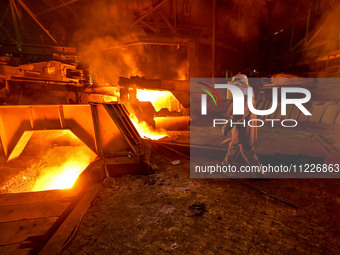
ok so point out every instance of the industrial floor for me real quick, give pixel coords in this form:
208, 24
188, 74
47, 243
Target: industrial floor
321, 142
169, 213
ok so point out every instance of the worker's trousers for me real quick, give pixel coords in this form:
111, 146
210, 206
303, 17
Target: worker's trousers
247, 151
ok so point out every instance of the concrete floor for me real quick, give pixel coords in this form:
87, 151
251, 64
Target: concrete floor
316, 142
169, 213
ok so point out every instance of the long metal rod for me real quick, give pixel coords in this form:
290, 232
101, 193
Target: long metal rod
23, 5
292, 37
241, 182
4, 15
148, 26
307, 25
263, 192
314, 35
42, 49
57, 7
148, 12
9, 35
213, 39
71, 9
129, 44
61, 13
174, 13
15, 16
167, 22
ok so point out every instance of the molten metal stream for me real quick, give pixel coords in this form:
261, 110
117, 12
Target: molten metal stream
145, 131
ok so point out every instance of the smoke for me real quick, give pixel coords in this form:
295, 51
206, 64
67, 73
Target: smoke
102, 18
108, 61
103, 40
105, 30
328, 31
325, 37
101, 29
246, 20
243, 21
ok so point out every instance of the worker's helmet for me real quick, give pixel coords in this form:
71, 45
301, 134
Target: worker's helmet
240, 78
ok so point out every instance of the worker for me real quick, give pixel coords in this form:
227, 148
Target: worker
242, 136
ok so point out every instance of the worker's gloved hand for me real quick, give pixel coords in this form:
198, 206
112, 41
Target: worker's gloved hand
225, 129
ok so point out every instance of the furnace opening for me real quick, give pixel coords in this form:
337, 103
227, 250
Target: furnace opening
159, 99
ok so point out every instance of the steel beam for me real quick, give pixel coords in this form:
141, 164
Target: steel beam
57, 7
4, 15
148, 12
23, 5
15, 17
213, 36
60, 12
167, 22
36, 49
148, 26
174, 13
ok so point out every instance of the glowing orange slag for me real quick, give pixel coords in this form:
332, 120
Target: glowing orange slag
145, 131
63, 164
62, 177
159, 99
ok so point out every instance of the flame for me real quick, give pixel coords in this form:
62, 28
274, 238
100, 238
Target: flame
130, 59
182, 74
145, 131
159, 99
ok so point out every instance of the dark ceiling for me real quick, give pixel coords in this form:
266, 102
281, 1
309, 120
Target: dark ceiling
252, 29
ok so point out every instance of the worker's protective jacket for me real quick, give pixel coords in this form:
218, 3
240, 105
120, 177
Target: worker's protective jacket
239, 133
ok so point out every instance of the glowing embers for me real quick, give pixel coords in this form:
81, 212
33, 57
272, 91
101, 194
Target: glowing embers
146, 131
63, 166
52, 159
159, 99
